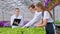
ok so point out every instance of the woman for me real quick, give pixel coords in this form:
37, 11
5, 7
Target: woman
47, 20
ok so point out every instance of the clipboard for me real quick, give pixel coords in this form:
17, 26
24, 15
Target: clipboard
16, 22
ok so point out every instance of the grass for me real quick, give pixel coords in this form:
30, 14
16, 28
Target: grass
22, 31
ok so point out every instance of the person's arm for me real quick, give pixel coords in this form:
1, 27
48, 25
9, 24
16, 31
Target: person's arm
31, 22
11, 21
42, 24
21, 23
45, 20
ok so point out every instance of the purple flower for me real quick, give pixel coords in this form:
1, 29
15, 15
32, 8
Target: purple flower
46, 2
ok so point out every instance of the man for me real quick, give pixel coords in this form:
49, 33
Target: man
16, 16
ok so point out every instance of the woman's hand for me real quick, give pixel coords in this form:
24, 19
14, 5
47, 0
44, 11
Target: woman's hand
41, 24
38, 25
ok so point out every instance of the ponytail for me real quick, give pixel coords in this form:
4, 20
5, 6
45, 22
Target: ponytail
50, 14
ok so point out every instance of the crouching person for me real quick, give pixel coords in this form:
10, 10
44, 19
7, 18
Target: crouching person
16, 19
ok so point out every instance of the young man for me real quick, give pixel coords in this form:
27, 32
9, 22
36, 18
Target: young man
16, 16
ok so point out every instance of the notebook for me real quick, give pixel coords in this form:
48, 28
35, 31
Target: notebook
16, 22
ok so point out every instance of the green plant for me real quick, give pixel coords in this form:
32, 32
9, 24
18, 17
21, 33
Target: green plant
57, 22
22, 30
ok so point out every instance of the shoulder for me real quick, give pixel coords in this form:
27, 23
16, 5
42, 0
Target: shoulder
46, 12
46, 15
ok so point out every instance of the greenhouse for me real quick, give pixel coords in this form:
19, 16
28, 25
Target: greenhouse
7, 8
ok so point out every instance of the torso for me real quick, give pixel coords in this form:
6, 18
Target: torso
14, 17
47, 15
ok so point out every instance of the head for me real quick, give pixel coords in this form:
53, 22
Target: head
17, 11
39, 7
32, 8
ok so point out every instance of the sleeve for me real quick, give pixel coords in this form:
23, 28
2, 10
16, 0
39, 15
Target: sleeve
21, 24
11, 21
32, 21
46, 15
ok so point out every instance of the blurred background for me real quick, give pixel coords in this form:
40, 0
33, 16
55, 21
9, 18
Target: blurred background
7, 8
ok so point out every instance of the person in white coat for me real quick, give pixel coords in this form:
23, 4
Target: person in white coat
17, 15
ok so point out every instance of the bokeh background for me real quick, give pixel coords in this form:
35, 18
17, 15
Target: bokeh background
7, 8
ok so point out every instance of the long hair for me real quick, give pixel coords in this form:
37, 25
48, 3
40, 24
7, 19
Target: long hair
50, 14
43, 8
49, 11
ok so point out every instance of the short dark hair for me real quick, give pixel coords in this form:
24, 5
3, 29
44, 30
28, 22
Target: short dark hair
17, 8
32, 5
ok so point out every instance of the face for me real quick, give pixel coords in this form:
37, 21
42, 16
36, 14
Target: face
38, 8
17, 12
32, 10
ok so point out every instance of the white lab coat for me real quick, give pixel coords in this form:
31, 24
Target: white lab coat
19, 17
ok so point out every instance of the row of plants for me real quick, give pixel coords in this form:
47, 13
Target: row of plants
22, 30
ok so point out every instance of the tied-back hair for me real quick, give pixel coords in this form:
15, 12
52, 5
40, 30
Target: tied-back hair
49, 12
40, 5
43, 8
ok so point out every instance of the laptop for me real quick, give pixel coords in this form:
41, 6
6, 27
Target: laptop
16, 22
